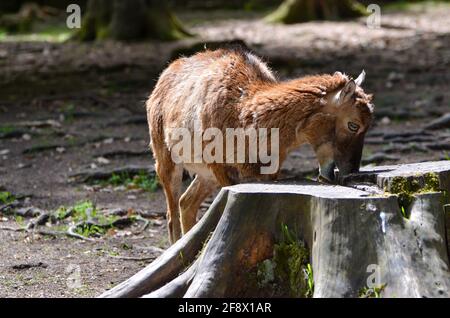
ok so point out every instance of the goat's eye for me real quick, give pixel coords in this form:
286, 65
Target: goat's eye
353, 127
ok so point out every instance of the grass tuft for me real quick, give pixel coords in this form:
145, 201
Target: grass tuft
6, 197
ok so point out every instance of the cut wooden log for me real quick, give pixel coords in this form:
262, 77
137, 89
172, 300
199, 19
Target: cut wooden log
440, 123
357, 238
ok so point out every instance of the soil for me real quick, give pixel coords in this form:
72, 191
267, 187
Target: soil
89, 104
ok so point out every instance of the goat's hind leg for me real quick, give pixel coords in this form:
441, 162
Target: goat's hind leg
191, 200
171, 177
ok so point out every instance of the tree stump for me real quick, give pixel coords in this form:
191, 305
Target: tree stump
383, 230
296, 11
129, 21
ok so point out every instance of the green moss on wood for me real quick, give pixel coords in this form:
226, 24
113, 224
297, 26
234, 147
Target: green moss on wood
431, 182
288, 273
408, 187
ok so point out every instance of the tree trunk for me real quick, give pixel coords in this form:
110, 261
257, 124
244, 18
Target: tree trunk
295, 11
130, 20
302, 239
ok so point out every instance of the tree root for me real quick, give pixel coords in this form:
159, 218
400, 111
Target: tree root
174, 260
176, 288
68, 233
131, 258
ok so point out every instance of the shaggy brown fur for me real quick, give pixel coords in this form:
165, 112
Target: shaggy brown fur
233, 88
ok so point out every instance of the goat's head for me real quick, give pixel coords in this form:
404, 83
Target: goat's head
349, 116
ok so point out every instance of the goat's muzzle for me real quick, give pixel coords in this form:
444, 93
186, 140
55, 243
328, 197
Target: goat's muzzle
326, 173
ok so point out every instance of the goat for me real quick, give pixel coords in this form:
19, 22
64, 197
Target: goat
231, 88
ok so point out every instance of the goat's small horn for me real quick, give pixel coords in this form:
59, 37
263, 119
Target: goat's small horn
360, 80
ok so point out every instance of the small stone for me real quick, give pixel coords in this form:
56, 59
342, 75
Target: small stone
131, 197
157, 223
127, 139
60, 150
108, 141
93, 166
385, 120
93, 188
123, 233
26, 137
103, 161
23, 166
4, 152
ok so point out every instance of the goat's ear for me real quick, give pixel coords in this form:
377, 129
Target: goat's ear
360, 80
346, 93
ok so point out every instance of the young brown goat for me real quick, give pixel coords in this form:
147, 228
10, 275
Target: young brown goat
225, 89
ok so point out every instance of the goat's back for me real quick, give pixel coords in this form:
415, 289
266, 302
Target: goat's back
206, 88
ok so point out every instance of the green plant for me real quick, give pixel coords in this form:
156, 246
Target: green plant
309, 273
403, 211
291, 259
113, 253
142, 180
374, 292
126, 246
288, 273
88, 230
116, 179
3, 34
61, 213
6, 129
82, 211
19, 219
6, 197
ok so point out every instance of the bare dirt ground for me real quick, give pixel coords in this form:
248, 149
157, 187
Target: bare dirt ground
67, 109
